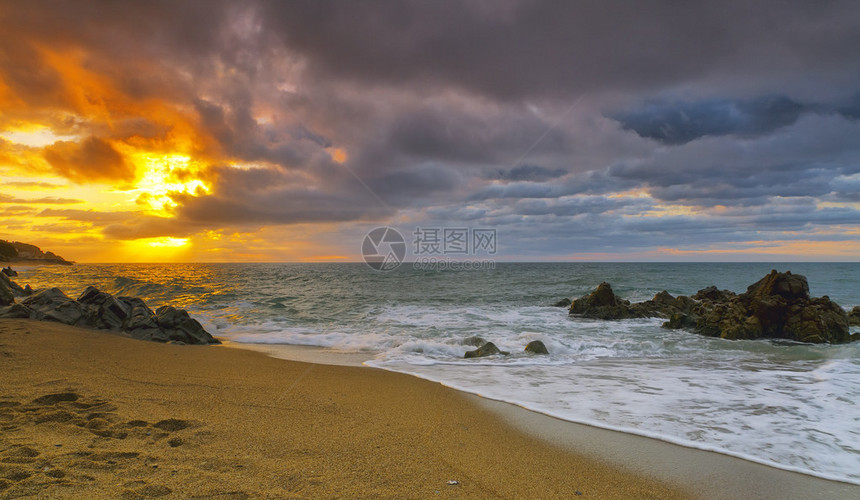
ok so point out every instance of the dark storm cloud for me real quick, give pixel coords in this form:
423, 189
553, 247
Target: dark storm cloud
679, 123
524, 49
533, 173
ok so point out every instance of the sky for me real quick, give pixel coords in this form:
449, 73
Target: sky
209, 131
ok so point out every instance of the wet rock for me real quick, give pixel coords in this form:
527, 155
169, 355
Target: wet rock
15, 311
106, 311
474, 341
487, 349
53, 305
776, 306
8, 271
536, 347
6, 296
713, 294
602, 303
854, 316
103, 311
180, 327
562, 303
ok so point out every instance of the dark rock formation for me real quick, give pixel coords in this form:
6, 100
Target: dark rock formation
777, 306
103, 311
854, 316
14, 288
474, 341
487, 349
713, 294
6, 296
180, 327
53, 305
562, 303
15, 251
536, 347
8, 271
602, 303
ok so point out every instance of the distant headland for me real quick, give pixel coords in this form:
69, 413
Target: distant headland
24, 254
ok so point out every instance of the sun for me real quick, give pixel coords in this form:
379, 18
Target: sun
164, 176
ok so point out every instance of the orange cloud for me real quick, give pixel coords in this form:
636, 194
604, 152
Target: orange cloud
92, 160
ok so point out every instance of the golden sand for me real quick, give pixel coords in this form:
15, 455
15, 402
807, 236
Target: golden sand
93, 414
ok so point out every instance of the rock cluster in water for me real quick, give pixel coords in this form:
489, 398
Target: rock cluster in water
102, 311
777, 306
490, 349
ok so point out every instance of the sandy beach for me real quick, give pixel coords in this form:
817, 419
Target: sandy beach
92, 414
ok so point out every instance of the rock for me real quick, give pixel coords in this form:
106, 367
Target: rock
713, 294
663, 305
602, 303
28, 290
786, 285
181, 327
487, 349
562, 303
15, 311
15, 288
6, 296
536, 347
474, 341
854, 316
141, 323
53, 305
8, 271
106, 311
103, 311
776, 306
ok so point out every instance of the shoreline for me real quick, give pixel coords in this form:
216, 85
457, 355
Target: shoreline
717, 473
89, 413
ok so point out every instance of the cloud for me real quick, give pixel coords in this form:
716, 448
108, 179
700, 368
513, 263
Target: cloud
91, 160
573, 125
50, 200
532, 173
680, 123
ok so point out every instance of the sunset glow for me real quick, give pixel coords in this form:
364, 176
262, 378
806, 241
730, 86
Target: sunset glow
131, 131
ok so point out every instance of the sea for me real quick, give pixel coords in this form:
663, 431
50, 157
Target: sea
785, 404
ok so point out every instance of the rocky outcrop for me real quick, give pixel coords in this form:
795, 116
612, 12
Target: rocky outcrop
103, 311
474, 341
6, 296
562, 303
15, 251
602, 303
8, 271
6, 284
854, 316
487, 349
536, 347
777, 306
